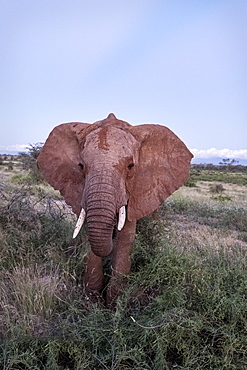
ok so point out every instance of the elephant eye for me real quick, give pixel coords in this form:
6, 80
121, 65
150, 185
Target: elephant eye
130, 165
80, 165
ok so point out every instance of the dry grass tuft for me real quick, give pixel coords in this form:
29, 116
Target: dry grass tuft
190, 237
28, 298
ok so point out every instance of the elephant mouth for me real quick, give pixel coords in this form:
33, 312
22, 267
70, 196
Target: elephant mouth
120, 221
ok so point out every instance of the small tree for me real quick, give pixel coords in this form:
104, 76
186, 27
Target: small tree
35, 149
227, 163
29, 161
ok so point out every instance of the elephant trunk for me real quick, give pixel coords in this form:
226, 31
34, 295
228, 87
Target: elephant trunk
100, 230
102, 204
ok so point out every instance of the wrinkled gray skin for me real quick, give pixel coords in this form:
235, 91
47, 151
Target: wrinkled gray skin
104, 166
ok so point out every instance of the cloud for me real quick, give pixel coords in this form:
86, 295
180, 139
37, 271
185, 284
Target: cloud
14, 148
222, 153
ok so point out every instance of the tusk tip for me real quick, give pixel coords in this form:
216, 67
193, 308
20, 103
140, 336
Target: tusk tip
122, 218
79, 223
74, 235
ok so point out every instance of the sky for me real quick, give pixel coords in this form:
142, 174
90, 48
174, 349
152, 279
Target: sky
178, 63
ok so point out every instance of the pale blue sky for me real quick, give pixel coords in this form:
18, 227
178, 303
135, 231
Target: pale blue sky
180, 63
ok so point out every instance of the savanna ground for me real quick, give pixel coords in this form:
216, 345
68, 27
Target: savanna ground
185, 305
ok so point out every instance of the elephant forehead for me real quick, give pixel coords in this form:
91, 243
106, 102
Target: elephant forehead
111, 139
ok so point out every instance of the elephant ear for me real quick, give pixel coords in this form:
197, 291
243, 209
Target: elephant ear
59, 159
163, 167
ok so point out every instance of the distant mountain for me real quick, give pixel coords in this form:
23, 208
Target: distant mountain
215, 160
13, 152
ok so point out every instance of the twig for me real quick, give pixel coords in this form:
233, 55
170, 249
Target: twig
102, 363
146, 327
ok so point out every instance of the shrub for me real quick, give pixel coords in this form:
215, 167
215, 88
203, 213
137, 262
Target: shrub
217, 188
191, 183
223, 198
29, 163
31, 178
21, 179
10, 166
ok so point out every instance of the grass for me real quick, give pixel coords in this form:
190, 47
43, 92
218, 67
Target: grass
185, 305
238, 178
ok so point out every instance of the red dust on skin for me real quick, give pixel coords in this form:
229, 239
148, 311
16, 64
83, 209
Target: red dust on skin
103, 139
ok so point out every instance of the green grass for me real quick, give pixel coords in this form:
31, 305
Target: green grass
185, 305
239, 178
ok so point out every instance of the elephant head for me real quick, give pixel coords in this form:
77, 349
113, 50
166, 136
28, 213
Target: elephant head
112, 170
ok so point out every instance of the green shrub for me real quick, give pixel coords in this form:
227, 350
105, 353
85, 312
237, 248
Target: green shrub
21, 179
191, 183
32, 177
223, 198
29, 164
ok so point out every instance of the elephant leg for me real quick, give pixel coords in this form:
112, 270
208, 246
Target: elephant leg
94, 276
121, 262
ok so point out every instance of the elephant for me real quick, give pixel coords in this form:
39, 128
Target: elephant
112, 173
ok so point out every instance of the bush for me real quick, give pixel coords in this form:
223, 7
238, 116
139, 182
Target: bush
21, 179
217, 188
10, 166
29, 163
191, 183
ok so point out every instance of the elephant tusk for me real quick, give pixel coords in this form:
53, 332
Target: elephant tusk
79, 223
121, 219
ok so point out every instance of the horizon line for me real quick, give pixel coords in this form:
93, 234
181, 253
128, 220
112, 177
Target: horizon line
198, 153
